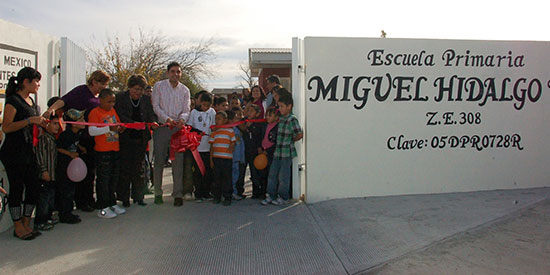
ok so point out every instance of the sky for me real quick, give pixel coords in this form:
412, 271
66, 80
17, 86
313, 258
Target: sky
235, 26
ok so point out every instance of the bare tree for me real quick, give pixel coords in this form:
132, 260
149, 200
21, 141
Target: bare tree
148, 54
245, 76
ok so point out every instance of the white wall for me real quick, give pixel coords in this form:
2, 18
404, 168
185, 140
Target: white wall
47, 47
347, 144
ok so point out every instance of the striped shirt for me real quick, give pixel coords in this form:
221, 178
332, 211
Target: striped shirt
221, 140
46, 154
169, 102
289, 127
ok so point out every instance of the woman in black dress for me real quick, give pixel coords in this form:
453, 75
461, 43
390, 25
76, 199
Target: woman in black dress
20, 113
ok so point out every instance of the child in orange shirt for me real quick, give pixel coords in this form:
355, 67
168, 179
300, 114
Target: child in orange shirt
107, 154
221, 159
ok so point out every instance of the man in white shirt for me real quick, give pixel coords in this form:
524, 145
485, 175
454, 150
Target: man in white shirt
171, 103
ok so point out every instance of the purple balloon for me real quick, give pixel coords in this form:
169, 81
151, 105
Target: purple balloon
77, 170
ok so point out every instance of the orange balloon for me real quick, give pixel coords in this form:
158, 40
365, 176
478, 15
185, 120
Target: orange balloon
260, 162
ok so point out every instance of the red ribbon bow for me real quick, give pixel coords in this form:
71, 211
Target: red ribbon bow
184, 140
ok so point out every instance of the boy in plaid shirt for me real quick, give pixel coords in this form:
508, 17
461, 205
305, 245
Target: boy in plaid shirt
278, 181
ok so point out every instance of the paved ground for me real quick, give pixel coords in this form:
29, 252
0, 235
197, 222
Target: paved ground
447, 233
517, 244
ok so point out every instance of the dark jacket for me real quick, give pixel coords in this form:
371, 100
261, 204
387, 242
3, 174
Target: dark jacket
253, 139
124, 109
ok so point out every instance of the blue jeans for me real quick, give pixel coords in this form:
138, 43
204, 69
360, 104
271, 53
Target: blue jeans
278, 181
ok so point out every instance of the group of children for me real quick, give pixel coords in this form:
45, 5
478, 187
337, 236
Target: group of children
229, 144
233, 137
55, 150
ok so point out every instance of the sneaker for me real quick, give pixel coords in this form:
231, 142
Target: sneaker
267, 200
86, 208
140, 202
118, 210
106, 213
158, 200
199, 200
208, 197
178, 202
226, 202
237, 197
69, 219
188, 197
279, 201
216, 201
76, 217
126, 203
44, 226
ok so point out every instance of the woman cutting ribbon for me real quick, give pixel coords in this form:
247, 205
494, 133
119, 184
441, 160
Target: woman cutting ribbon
133, 106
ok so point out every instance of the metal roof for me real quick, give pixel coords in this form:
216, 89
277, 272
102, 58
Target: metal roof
270, 50
268, 58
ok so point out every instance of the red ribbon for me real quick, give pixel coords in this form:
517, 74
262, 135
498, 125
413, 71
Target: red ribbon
35, 133
180, 141
132, 125
237, 123
184, 140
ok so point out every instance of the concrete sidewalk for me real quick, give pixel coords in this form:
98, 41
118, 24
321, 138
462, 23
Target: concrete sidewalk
516, 244
344, 236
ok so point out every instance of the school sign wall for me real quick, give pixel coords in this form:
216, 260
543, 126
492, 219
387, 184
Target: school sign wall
409, 116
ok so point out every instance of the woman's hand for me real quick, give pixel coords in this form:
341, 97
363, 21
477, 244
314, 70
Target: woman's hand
48, 113
38, 120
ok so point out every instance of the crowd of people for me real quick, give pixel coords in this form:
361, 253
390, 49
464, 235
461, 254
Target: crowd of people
233, 134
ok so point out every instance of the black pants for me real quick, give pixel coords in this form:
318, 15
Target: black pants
203, 184
107, 169
84, 190
45, 204
222, 178
23, 178
239, 185
132, 172
64, 191
254, 175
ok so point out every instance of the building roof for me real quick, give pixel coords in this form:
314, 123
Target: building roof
226, 91
270, 50
268, 58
